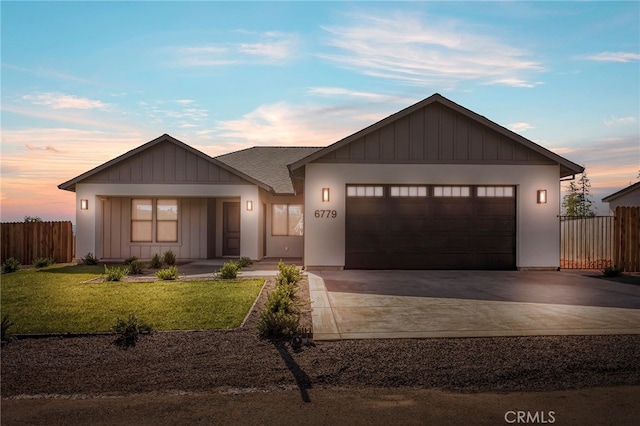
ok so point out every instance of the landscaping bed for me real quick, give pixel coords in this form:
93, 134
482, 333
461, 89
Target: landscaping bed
239, 361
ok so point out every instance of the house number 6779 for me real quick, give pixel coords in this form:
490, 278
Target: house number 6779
329, 214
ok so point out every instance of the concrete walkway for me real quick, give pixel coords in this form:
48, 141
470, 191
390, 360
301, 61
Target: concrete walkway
362, 312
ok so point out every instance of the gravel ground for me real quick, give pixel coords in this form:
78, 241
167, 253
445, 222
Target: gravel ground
239, 360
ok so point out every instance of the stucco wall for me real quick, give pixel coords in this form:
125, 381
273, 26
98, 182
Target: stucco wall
631, 199
282, 246
538, 241
89, 223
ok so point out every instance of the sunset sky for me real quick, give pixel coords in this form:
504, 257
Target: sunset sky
83, 82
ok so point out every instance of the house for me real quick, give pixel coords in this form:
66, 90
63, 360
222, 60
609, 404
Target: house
626, 197
434, 186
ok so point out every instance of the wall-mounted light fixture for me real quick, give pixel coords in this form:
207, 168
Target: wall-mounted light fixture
325, 195
84, 204
542, 196
249, 205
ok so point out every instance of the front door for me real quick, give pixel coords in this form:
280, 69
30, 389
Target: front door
231, 229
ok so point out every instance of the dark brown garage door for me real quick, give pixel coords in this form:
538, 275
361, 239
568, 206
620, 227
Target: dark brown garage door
430, 227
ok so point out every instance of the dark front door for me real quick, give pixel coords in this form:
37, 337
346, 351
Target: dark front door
430, 232
231, 229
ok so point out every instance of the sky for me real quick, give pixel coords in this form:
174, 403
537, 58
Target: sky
84, 82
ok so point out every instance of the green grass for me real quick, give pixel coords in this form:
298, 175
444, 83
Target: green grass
54, 300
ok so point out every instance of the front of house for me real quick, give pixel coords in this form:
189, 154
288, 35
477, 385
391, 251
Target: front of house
434, 186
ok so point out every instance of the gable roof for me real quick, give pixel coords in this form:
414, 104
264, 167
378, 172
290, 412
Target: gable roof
567, 167
622, 192
268, 164
70, 185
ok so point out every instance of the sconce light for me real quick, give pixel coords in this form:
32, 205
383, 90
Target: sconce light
542, 196
325, 195
84, 204
249, 205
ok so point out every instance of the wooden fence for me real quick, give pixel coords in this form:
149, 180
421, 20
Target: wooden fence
27, 241
627, 239
586, 242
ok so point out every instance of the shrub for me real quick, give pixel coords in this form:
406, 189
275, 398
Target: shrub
288, 274
136, 267
129, 330
155, 263
41, 262
229, 271
612, 271
170, 273
169, 258
114, 273
10, 265
89, 259
129, 260
244, 262
281, 314
4, 328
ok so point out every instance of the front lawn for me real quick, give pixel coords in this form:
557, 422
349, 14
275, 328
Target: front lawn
54, 300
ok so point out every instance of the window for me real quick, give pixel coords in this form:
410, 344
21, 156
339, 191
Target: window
287, 220
167, 220
364, 191
495, 191
143, 219
408, 191
451, 191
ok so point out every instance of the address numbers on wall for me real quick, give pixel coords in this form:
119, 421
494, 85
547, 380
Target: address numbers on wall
328, 214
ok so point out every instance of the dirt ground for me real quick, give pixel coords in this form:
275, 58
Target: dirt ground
233, 376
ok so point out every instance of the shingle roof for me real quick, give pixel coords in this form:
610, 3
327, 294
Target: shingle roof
622, 192
268, 164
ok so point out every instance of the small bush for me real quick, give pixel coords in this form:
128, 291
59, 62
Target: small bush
278, 324
155, 263
129, 330
136, 267
288, 274
612, 271
170, 273
169, 258
41, 262
129, 260
229, 271
10, 265
89, 259
4, 328
114, 273
244, 262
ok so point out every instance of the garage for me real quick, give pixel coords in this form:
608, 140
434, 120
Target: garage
430, 227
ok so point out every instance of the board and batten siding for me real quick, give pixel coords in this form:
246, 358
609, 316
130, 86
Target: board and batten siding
435, 134
192, 231
164, 163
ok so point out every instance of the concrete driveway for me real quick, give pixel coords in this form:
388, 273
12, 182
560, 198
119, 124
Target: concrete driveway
420, 304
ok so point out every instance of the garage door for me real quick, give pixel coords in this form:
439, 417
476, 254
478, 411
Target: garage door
430, 227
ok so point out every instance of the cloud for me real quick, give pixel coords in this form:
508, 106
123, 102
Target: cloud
520, 127
613, 57
286, 124
620, 121
420, 51
354, 94
57, 100
48, 148
270, 47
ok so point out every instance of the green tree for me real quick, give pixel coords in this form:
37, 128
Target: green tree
577, 201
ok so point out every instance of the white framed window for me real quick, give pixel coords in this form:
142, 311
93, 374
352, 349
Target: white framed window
287, 220
142, 220
451, 191
365, 191
495, 191
409, 191
149, 215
